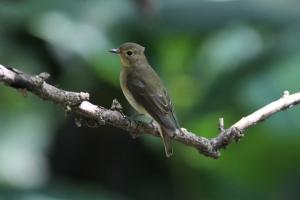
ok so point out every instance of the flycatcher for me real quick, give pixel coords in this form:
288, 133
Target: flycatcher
145, 91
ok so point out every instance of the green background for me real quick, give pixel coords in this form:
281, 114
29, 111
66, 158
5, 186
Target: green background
217, 59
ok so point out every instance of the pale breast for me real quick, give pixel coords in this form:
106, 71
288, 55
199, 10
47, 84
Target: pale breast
128, 95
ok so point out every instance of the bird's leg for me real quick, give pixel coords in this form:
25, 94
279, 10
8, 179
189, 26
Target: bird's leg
138, 115
152, 123
135, 116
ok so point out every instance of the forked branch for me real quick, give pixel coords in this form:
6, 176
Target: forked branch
77, 103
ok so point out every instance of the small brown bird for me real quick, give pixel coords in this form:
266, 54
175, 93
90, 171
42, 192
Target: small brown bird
145, 91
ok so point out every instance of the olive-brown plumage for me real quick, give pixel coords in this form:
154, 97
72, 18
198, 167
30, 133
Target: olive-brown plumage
145, 91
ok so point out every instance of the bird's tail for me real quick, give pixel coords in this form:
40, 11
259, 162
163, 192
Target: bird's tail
167, 136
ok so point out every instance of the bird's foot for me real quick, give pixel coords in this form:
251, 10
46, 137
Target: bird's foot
142, 118
136, 116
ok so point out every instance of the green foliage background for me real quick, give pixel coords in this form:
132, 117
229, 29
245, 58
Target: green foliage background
217, 58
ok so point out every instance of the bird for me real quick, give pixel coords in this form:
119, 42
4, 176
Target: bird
145, 91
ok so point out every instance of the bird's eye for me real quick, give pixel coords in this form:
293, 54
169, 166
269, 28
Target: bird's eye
129, 53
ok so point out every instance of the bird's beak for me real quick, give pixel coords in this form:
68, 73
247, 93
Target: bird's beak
117, 50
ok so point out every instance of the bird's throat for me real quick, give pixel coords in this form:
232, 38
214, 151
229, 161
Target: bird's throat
124, 62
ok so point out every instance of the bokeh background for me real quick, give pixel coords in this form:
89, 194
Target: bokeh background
218, 58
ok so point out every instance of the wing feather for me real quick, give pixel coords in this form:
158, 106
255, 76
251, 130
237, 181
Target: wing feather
152, 95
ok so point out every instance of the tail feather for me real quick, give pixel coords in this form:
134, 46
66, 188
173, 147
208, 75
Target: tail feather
166, 136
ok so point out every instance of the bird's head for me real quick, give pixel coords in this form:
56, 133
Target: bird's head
130, 53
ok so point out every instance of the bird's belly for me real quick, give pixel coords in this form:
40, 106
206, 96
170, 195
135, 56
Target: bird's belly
130, 98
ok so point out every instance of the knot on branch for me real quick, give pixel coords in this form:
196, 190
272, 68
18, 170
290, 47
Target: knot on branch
40, 79
116, 105
84, 96
286, 94
226, 136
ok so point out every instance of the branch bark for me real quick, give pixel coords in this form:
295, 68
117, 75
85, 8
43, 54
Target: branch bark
77, 103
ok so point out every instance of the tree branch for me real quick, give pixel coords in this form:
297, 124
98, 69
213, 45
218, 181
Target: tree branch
78, 104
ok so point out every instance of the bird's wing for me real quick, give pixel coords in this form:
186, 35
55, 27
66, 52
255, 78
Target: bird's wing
151, 94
